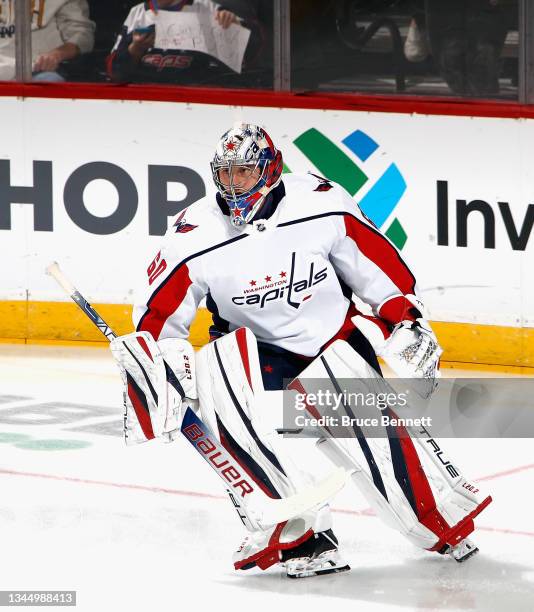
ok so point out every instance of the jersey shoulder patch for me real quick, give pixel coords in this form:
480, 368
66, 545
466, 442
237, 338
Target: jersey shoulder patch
197, 227
181, 226
323, 183
310, 195
198, 214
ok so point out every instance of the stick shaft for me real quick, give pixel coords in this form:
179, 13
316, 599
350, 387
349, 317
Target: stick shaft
55, 271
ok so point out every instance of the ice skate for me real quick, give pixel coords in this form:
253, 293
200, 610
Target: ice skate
317, 556
462, 551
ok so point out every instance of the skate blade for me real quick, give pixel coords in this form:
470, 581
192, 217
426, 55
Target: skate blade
470, 554
319, 572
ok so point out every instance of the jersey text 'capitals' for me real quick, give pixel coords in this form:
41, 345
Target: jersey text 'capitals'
283, 289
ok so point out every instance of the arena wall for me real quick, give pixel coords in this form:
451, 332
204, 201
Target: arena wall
93, 184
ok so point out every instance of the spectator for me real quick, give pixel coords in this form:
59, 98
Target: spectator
61, 30
134, 57
466, 39
416, 47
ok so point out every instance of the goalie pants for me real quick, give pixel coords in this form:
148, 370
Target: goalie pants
279, 367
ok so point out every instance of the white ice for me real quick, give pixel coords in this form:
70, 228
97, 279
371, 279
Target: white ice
149, 527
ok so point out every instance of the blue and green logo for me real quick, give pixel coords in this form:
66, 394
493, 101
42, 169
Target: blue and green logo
332, 162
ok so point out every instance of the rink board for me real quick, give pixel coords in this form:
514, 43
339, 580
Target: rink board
453, 192
62, 322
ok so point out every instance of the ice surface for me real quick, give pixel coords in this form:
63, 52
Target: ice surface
149, 527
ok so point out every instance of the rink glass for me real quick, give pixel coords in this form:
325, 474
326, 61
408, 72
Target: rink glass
465, 48
468, 49
167, 68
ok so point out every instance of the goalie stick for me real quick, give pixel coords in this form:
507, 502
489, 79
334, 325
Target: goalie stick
272, 511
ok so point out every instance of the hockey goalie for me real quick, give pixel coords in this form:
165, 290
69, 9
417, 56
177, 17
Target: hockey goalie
277, 262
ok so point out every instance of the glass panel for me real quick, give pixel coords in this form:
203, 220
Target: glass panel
466, 48
526, 62
7, 41
59, 32
178, 42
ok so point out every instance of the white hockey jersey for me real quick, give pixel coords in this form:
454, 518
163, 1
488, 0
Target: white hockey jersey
288, 278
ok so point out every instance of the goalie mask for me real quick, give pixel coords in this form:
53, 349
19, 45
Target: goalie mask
246, 167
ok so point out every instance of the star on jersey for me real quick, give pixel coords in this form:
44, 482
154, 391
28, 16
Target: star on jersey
268, 279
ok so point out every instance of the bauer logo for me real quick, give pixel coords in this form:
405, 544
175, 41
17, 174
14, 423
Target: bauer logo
354, 164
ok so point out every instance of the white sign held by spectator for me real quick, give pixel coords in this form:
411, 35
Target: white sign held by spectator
200, 32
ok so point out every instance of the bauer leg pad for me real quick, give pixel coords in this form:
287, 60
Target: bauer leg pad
229, 383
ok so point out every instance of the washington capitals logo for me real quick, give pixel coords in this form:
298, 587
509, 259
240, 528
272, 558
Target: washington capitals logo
181, 225
324, 184
281, 286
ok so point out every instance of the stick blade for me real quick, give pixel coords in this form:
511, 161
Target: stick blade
276, 511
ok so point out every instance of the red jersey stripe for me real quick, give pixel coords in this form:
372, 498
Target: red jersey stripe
165, 301
398, 309
381, 252
346, 329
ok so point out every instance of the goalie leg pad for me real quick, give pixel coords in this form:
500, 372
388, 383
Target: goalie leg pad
389, 471
229, 385
228, 380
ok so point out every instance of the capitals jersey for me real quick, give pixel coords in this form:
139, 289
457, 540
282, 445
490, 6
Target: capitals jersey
289, 278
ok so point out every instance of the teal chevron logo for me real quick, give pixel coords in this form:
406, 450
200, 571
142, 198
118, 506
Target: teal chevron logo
380, 199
